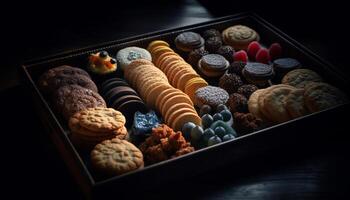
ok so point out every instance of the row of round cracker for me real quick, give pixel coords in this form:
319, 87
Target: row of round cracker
152, 85
178, 71
280, 103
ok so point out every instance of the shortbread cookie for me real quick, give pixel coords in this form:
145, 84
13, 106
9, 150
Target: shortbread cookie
300, 77
275, 104
253, 104
115, 157
239, 36
101, 119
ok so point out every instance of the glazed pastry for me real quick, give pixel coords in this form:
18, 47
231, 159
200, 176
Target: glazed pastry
226, 51
230, 82
188, 41
239, 36
213, 65
102, 63
127, 55
195, 55
258, 73
212, 44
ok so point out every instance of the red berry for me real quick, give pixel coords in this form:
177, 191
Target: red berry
253, 49
240, 56
263, 56
275, 51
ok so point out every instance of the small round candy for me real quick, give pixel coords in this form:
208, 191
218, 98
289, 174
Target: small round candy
214, 140
228, 137
103, 54
217, 117
208, 133
205, 109
221, 107
220, 131
187, 128
196, 133
226, 115
207, 120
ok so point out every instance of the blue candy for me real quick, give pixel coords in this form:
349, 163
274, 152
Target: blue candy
143, 123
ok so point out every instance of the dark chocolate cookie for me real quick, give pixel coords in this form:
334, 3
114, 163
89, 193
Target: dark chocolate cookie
187, 41
65, 75
70, 99
117, 92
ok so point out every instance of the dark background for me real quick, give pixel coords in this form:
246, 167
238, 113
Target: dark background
30, 30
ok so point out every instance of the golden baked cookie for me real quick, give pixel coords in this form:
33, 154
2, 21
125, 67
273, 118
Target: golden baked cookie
275, 104
100, 119
115, 157
155, 44
167, 96
161, 95
184, 78
180, 120
239, 36
171, 100
162, 57
253, 104
176, 107
321, 96
154, 92
193, 85
295, 103
300, 77
167, 60
177, 113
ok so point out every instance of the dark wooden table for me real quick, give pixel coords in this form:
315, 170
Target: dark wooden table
32, 167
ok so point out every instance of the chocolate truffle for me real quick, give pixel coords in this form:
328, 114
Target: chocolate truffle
246, 123
237, 103
230, 82
213, 44
227, 52
211, 33
236, 67
247, 90
195, 55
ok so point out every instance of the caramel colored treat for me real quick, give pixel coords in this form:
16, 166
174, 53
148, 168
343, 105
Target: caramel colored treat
163, 144
237, 103
230, 82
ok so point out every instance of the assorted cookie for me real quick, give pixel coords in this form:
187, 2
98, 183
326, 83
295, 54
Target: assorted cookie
231, 85
94, 125
64, 75
116, 157
154, 88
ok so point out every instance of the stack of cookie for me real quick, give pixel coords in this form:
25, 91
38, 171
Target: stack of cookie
280, 103
178, 71
151, 83
94, 125
71, 89
120, 96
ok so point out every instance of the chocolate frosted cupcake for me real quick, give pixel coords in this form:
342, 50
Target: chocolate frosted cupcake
230, 82
237, 103
211, 33
212, 44
226, 51
195, 55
